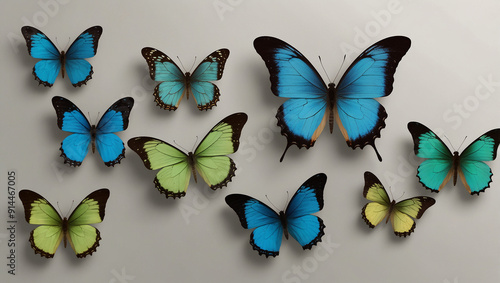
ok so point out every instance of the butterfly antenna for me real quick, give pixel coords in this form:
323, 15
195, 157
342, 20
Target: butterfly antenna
195, 143
194, 62
272, 203
323, 67
451, 143
181, 146
462, 143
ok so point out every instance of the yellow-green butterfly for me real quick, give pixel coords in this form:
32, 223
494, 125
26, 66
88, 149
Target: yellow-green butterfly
83, 238
209, 159
400, 213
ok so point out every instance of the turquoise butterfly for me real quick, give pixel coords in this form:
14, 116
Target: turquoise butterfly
441, 164
174, 83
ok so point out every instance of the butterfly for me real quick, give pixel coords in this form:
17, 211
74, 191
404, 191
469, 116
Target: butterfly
174, 84
83, 238
209, 159
400, 213
297, 220
441, 164
72, 62
351, 103
74, 148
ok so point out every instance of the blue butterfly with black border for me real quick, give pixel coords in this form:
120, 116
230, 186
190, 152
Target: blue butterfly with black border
351, 103
74, 147
440, 165
297, 220
174, 84
72, 61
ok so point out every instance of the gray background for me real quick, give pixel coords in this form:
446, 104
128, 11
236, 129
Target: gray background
441, 82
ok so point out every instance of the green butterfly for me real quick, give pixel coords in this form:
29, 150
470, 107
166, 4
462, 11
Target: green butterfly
400, 213
209, 159
83, 238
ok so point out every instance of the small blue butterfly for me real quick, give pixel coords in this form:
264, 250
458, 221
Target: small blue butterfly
74, 148
351, 103
72, 62
297, 220
174, 84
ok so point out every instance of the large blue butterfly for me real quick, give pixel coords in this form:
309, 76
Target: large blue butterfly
72, 62
440, 164
74, 148
297, 220
359, 116
174, 83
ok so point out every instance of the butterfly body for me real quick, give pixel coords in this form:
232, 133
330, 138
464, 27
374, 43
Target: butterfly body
297, 220
400, 213
440, 164
76, 229
74, 148
312, 103
174, 84
71, 62
209, 160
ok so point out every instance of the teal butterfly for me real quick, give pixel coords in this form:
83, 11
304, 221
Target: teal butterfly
83, 238
174, 84
441, 164
209, 159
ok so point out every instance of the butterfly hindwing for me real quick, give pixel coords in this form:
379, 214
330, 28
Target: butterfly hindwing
174, 83
296, 220
73, 61
46, 238
303, 117
74, 148
401, 214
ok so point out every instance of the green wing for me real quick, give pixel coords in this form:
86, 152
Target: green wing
173, 177
374, 212
404, 211
83, 238
37, 210
210, 158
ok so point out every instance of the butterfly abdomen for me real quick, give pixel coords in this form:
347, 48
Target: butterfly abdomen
62, 58
391, 208
456, 164
65, 229
191, 163
283, 223
187, 83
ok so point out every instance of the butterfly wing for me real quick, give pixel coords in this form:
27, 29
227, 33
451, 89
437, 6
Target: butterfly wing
44, 239
85, 46
169, 92
375, 211
359, 116
403, 212
307, 229
74, 148
474, 173
210, 158
175, 171
205, 93
437, 170
266, 238
41, 47
84, 239
109, 145
304, 115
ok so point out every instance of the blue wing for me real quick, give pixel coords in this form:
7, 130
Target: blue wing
169, 92
303, 117
74, 148
307, 229
266, 238
85, 46
371, 75
474, 173
41, 47
109, 145
205, 93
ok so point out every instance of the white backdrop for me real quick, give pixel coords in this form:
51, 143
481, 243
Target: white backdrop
449, 80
